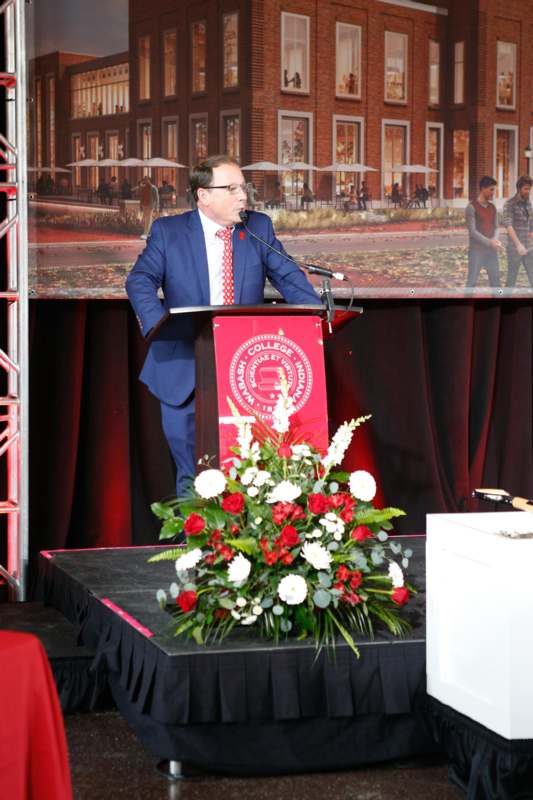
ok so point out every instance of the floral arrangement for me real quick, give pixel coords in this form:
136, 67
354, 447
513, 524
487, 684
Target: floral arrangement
283, 542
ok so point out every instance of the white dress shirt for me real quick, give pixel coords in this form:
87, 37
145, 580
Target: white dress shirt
215, 250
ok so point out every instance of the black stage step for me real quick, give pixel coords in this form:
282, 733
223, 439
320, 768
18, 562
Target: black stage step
79, 687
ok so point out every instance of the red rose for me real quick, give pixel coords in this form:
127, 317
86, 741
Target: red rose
187, 601
297, 513
351, 598
210, 558
280, 512
286, 557
400, 596
289, 536
221, 613
285, 450
234, 530
317, 503
361, 533
343, 573
270, 558
233, 503
339, 587
336, 500
356, 580
346, 515
193, 525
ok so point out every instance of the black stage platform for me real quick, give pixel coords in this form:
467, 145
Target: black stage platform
79, 687
244, 706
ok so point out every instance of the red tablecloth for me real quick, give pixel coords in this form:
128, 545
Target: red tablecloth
33, 751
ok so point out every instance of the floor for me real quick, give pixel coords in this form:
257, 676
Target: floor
107, 761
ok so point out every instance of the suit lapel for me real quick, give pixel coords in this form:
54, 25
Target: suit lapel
199, 255
240, 246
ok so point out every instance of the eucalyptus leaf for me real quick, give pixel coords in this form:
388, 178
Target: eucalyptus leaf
317, 488
285, 625
226, 602
233, 473
324, 579
267, 602
190, 587
405, 563
382, 536
174, 590
408, 553
333, 487
321, 598
277, 610
396, 548
377, 558
333, 546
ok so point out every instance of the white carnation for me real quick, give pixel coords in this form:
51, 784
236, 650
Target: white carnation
262, 477
239, 569
362, 485
249, 620
284, 492
248, 476
210, 483
292, 589
396, 574
316, 555
253, 491
188, 560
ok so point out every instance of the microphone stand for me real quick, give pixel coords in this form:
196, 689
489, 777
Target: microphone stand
327, 299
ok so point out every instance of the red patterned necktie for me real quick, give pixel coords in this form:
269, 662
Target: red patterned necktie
228, 295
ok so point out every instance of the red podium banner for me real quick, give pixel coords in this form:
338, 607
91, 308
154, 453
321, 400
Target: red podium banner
250, 351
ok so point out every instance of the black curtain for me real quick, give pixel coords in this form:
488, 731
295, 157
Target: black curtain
449, 386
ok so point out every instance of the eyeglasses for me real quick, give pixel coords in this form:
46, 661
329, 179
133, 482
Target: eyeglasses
233, 188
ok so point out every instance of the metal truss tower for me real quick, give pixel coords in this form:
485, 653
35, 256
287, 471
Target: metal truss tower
14, 305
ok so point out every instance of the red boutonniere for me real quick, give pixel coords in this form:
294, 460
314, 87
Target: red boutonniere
241, 235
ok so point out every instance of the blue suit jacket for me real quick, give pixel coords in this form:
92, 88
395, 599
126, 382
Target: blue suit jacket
175, 260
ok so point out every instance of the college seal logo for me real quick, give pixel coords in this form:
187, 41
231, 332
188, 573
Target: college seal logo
254, 373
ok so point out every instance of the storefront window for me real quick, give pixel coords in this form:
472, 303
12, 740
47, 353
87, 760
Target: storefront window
461, 144
394, 155
294, 138
347, 148
100, 91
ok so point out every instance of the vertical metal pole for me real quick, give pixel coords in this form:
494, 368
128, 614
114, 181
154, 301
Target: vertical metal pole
15, 295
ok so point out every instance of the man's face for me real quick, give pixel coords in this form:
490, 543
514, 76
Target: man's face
221, 205
525, 192
488, 193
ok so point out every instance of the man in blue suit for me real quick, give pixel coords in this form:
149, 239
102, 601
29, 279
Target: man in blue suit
184, 257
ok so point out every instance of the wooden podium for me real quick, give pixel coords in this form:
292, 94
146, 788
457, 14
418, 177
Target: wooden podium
239, 351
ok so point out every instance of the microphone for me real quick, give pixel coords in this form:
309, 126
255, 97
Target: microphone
313, 269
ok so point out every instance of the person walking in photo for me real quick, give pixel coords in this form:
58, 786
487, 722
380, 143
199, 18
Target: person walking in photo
483, 243
149, 202
518, 224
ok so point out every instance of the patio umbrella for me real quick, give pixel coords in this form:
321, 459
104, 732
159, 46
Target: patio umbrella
414, 169
85, 162
131, 162
337, 167
163, 162
265, 166
47, 169
109, 162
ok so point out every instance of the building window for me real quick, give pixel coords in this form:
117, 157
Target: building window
434, 73
169, 149
294, 146
144, 68
51, 92
198, 39
111, 141
348, 60
76, 156
198, 141
395, 67
145, 140
505, 160
100, 91
506, 75
394, 156
461, 161
169, 63
231, 134
459, 73
434, 160
92, 152
294, 52
230, 47
347, 151
38, 123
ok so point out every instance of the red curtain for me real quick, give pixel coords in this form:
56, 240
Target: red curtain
449, 386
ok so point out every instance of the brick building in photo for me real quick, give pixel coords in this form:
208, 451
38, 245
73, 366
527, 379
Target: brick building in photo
384, 83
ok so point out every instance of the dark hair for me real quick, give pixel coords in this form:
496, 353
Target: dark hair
523, 180
487, 181
201, 175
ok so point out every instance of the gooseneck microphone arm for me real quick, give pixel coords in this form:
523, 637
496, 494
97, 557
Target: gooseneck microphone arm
313, 269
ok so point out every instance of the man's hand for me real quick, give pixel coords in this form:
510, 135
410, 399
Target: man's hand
522, 251
496, 244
